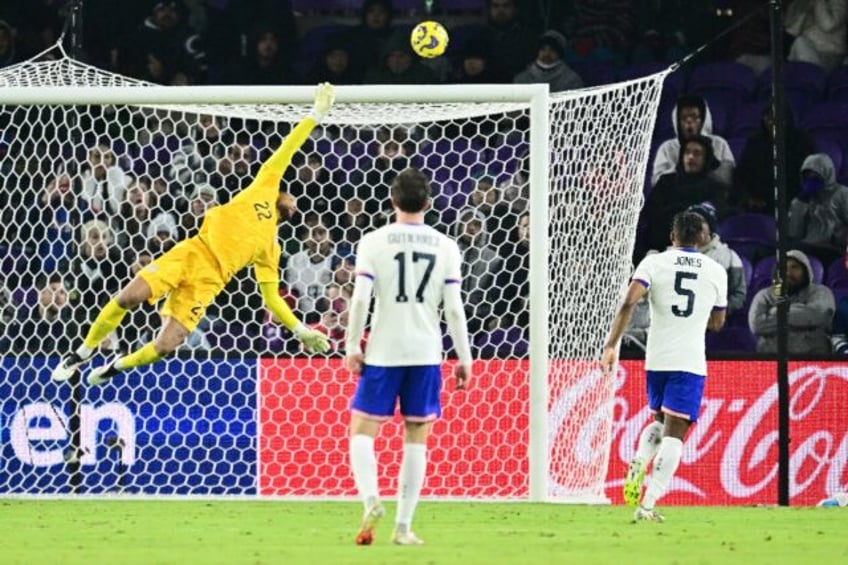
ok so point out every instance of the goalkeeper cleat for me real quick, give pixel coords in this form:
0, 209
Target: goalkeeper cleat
67, 367
369, 523
642, 514
406, 538
102, 374
633, 483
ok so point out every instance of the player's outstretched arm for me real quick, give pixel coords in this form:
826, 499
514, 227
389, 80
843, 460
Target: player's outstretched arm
278, 162
313, 340
609, 357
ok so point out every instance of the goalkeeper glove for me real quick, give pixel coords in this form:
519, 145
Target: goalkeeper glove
313, 340
324, 98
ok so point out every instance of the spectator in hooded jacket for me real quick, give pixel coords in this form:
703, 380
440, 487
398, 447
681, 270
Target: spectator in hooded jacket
692, 183
820, 28
399, 65
713, 247
513, 41
811, 308
265, 62
818, 216
549, 66
690, 117
477, 65
336, 64
368, 40
753, 184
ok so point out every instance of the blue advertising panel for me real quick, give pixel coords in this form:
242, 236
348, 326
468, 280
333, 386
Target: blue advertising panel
176, 427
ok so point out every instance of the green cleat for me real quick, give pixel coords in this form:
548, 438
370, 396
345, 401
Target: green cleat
633, 483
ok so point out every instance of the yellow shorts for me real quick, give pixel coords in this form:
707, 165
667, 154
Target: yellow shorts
190, 276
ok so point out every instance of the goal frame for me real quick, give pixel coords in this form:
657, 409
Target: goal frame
535, 96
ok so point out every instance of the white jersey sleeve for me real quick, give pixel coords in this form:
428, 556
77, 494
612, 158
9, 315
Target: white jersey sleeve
409, 264
684, 287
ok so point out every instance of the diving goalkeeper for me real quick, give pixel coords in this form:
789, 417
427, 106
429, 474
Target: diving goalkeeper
240, 233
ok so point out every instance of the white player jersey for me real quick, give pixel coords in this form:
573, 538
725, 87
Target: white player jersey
684, 286
410, 265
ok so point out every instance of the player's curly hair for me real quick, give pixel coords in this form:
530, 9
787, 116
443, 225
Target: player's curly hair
686, 228
411, 190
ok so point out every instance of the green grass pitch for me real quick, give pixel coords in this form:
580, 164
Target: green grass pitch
124, 532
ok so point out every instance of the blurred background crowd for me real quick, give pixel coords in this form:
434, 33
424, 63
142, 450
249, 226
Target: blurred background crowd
74, 236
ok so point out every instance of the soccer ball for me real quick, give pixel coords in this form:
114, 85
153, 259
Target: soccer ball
429, 39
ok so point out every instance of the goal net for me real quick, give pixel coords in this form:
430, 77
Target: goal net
92, 192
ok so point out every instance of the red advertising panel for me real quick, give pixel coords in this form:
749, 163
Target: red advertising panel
730, 455
479, 448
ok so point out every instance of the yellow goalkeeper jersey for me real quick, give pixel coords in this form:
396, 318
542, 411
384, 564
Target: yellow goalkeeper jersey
244, 231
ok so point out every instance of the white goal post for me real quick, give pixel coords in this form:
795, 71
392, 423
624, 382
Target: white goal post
539, 425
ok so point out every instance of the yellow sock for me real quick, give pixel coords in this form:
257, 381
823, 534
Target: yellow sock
144, 356
107, 320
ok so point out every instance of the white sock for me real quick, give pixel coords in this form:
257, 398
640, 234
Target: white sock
665, 464
412, 472
364, 465
649, 443
84, 352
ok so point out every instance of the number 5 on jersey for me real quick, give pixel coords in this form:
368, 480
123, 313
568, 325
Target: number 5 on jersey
679, 278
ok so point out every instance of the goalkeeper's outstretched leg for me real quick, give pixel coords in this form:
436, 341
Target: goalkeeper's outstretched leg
109, 318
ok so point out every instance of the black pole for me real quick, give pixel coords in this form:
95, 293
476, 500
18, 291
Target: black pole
75, 20
75, 450
779, 131
75, 401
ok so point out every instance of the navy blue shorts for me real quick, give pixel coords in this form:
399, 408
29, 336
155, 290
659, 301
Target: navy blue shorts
418, 388
676, 392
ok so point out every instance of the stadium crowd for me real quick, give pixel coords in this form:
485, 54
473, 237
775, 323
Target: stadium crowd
66, 235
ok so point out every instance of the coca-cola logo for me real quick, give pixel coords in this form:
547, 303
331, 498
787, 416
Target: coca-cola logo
730, 455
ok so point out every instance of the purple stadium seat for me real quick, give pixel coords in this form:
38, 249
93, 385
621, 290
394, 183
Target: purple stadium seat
595, 73
837, 275
827, 120
839, 293
842, 175
732, 338
763, 274
739, 318
721, 117
747, 120
833, 150
737, 146
316, 5
837, 85
456, 5
725, 84
805, 85
752, 235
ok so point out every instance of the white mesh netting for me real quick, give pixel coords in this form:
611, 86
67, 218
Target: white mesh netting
92, 193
